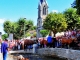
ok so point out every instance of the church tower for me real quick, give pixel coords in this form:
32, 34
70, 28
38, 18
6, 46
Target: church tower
42, 13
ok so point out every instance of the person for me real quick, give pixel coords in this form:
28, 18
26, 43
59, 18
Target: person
0, 49
56, 42
49, 40
53, 43
35, 46
4, 49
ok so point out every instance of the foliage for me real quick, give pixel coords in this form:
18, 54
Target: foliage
18, 28
4, 36
78, 23
7, 26
34, 34
76, 4
33, 28
44, 33
72, 18
31, 34
28, 34
30, 22
55, 22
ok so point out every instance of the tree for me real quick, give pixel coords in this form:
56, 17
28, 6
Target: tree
4, 36
72, 18
18, 28
78, 23
44, 33
76, 4
34, 34
28, 34
28, 25
7, 26
33, 28
55, 22
10, 27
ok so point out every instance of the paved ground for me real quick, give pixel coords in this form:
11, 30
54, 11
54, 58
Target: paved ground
11, 57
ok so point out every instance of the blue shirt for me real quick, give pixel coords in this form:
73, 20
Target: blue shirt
4, 47
49, 39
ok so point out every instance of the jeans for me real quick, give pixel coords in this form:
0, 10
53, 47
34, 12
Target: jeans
4, 56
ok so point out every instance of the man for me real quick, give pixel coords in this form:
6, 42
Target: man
4, 49
35, 46
49, 39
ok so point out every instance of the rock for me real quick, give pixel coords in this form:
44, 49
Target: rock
20, 57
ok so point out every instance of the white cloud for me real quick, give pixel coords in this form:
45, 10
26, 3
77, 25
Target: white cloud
2, 21
1, 25
55, 11
1, 29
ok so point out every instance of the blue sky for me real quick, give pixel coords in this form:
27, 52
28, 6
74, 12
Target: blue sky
14, 9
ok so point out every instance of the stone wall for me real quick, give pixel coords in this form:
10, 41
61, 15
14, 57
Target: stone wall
60, 52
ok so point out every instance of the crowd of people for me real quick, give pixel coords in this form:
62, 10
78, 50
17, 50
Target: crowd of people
71, 37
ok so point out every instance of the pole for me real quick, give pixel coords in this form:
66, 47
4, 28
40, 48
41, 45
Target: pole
24, 30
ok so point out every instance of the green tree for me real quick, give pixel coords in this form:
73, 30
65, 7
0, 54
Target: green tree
7, 26
18, 28
33, 28
14, 30
44, 33
10, 27
55, 22
4, 36
76, 4
34, 34
29, 24
72, 18
28, 34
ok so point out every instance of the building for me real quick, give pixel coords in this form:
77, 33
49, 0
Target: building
42, 13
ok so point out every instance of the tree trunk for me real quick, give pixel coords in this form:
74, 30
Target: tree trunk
50, 33
54, 34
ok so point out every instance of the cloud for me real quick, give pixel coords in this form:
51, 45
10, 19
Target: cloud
2, 30
2, 21
55, 11
1, 25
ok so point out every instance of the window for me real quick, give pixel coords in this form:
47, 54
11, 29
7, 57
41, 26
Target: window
44, 10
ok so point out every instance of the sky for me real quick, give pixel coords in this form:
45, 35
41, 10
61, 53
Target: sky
14, 9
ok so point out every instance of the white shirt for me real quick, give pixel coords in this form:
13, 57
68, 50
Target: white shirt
0, 47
